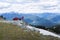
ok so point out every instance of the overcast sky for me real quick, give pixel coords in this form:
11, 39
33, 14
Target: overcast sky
30, 6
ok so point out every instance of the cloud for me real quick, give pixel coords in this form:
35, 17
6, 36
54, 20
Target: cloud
20, 1
30, 6
4, 5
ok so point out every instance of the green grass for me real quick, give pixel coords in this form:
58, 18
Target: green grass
14, 32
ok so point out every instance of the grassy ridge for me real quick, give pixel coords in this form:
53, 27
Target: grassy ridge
14, 32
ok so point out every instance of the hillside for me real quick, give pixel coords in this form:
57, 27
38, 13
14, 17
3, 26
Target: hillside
14, 32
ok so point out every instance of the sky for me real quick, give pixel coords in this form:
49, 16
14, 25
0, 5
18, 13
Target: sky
30, 6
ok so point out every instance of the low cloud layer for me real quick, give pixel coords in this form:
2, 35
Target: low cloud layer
30, 6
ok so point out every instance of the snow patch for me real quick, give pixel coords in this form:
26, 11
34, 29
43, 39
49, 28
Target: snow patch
44, 32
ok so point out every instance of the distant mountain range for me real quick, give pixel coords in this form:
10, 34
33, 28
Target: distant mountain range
43, 19
56, 19
47, 15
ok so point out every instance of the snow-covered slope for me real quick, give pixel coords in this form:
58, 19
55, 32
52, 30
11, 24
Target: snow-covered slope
44, 32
